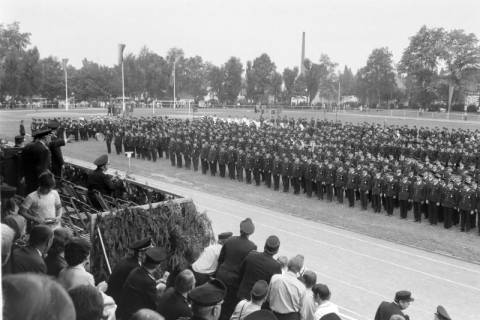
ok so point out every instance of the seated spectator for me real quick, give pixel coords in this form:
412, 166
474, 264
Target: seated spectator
258, 295
146, 314
8, 236
309, 279
287, 292
30, 258
207, 263
173, 303
322, 295
43, 206
77, 253
31, 296
55, 259
88, 302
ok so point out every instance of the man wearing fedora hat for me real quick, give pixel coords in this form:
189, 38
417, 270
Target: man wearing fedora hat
231, 256
401, 302
259, 266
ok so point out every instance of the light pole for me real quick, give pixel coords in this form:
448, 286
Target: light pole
64, 63
174, 82
121, 47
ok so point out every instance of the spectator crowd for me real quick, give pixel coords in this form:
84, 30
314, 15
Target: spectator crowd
48, 278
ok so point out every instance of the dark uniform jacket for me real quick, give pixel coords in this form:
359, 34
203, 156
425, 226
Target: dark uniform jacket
55, 264
98, 180
57, 156
387, 309
139, 291
231, 256
256, 266
172, 305
365, 182
27, 259
449, 198
36, 159
419, 192
119, 276
404, 192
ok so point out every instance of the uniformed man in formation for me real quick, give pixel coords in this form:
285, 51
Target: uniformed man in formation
433, 172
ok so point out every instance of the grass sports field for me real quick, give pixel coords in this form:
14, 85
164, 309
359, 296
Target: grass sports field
435, 239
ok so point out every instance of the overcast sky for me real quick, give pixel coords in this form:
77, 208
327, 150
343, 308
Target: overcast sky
346, 30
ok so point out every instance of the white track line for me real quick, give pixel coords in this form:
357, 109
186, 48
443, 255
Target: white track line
360, 254
373, 243
334, 279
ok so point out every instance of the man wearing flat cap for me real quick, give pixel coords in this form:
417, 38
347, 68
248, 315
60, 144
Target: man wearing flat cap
259, 266
401, 302
207, 300
441, 314
36, 158
231, 256
123, 268
140, 288
206, 265
98, 181
258, 295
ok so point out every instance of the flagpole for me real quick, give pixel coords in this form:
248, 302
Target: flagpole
121, 47
123, 90
174, 95
65, 61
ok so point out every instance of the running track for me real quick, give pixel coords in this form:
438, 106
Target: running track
361, 271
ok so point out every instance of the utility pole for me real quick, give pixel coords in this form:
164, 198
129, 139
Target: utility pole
64, 63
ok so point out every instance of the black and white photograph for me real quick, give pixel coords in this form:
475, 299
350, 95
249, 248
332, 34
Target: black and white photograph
240, 160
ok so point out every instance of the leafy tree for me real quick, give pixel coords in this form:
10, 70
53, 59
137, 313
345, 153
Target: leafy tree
379, 74
420, 64
215, 81
52, 84
250, 81
16, 62
320, 77
232, 79
276, 85
153, 70
93, 81
461, 57
347, 80
289, 76
262, 71
300, 86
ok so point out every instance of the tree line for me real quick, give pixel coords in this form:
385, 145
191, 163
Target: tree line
438, 66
